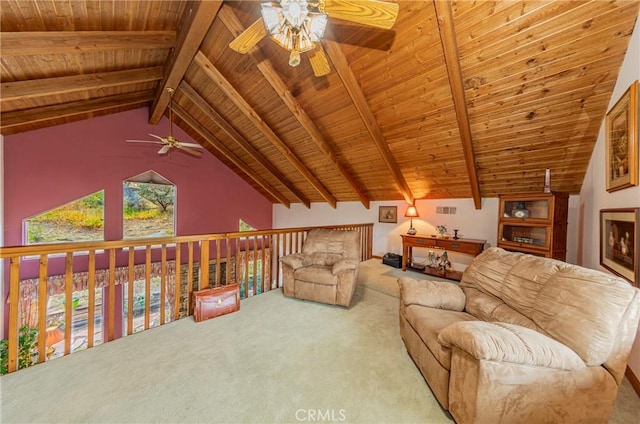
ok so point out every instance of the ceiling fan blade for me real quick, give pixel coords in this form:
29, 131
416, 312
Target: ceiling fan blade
189, 150
249, 37
196, 145
145, 141
370, 12
162, 139
163, 150
319, 61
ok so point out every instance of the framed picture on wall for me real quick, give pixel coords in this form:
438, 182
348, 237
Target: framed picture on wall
388, 214
621, 132
619, 234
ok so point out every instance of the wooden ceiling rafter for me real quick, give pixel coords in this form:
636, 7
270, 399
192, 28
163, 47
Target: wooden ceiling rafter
62, 85
235, 27
31, 43
194, 25
222, 150
10, 122
447, 31
360, 102
228, 129
223, 84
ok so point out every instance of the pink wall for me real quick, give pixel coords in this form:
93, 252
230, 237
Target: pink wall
52, 166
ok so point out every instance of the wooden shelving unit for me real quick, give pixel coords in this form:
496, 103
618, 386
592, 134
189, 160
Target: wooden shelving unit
534, 223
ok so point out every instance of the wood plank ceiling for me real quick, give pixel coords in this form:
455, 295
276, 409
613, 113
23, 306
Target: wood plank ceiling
464, 99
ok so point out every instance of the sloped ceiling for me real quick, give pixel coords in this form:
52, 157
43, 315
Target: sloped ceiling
460, 99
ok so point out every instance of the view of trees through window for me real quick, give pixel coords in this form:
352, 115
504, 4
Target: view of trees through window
243, 226
148, 210
80, 220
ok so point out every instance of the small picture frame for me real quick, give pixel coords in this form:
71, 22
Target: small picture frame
621, 132
388, 214
619, 234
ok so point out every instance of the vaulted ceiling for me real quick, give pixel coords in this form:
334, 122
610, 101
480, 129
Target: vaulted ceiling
460, 99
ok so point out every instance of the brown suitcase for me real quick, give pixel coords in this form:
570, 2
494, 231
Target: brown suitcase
216, 301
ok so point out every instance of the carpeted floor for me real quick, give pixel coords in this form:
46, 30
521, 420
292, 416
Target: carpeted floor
276, 360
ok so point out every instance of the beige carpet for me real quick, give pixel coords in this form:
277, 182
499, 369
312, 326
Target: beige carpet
276, 360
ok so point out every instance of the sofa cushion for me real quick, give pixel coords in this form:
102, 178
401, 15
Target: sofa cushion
434, 294
488, 270
501, 342
345, 265
485, 307
326, 247
583, 308
317, 274
429, 322
296, 260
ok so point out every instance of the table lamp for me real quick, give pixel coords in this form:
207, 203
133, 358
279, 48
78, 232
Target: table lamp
411, 213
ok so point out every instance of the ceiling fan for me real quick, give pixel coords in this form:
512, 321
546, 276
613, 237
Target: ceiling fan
298, 25
169, 141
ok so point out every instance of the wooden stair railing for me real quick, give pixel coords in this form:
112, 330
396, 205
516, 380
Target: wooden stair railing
249, 256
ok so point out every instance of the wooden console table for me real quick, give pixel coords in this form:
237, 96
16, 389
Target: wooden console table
467, 246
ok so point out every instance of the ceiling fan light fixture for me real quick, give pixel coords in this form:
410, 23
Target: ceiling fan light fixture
317, 26
294, 58
292, 26
295, 11
272, 17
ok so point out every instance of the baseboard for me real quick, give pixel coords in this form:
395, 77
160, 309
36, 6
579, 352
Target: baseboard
635, 382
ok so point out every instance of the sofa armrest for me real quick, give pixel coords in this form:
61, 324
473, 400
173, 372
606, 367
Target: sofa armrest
344, 265
296, 260
433, 294
503, 342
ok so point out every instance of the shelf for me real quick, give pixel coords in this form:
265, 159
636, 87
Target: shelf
534, 223
471, 247
449, 274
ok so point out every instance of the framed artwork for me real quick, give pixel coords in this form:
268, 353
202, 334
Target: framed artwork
621, 132
619, 234
388, 214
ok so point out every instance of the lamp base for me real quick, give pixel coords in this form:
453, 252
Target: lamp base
412, 231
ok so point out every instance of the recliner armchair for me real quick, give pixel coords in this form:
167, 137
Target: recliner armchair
326, 270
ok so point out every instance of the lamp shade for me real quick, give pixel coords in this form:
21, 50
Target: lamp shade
411, 212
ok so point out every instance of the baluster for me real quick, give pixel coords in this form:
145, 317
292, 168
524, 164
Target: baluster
91, 276
130, 290
147, 288
178, 282
68, 286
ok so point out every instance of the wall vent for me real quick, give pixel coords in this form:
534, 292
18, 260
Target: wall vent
446, 210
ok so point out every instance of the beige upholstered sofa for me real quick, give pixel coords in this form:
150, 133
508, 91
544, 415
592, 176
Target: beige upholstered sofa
522, 339
327, 268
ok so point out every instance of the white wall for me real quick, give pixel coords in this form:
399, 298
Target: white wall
471, 223
594, 196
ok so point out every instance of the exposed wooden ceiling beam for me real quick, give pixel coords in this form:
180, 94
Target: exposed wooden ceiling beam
271, 75
360, 102
194, 25
447, 31
10, 121
62, 85
211, 113
226, 87
28, 43
222, 150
